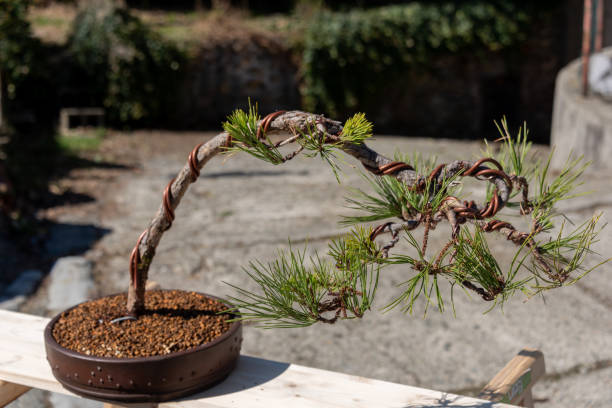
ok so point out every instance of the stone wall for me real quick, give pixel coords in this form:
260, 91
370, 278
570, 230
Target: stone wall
456, 96
226, 72
581, 126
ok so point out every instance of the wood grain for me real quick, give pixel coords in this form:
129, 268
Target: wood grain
9, 392
513, 383
254, 383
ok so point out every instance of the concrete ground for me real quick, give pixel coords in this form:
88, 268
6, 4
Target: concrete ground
242, 209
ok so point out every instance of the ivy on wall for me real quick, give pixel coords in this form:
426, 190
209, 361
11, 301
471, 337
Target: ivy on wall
132, 70
347, 56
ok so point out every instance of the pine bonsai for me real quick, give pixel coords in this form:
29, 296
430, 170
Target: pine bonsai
410, 195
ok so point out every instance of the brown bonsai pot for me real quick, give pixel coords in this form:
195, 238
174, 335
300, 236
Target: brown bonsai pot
93, 356
144, 379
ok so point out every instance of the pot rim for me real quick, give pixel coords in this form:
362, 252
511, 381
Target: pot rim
51, 342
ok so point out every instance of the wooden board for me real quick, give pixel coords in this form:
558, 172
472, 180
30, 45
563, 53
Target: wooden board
255, 382
513, 383
10, 392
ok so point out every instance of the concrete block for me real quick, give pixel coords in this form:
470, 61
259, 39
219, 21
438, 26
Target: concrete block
582, 126
70, 282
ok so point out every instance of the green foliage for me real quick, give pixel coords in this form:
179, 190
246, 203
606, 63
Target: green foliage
390, 200
294, 294
566, 254
514, 153
550, 263
356, 246
28, 107
130, 69
474, 262
515, 157
16, 44
81, 142
24, 69
349, 57
242, 127
424, 282
357, 129
561, 187
316, 146
393, 198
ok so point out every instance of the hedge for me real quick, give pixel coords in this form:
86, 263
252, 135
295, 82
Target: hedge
348, 56
132, 71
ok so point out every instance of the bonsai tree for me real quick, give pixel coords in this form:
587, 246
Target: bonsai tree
410, 197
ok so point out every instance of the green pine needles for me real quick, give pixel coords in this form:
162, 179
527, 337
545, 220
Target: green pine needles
296, 294
392, 198
242, 127
296, 291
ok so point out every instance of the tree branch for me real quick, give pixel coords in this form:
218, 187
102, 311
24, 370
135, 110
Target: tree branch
299, 124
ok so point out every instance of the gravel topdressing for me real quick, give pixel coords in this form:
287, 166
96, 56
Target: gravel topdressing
173, 321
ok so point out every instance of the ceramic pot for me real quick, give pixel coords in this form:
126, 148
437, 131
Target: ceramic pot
144, 379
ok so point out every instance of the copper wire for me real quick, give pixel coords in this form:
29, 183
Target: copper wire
495, 225
193, 163
167, 203
493, 206
469, 171
378, 230
394, 167
435, 172
389, 168
492, 173
264, 125
135, 260
468, 210
168, 213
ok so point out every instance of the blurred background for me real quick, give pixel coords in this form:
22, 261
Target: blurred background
102, 100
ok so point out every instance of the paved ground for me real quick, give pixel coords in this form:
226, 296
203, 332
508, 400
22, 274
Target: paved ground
242, 210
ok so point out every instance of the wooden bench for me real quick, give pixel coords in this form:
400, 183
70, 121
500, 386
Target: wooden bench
257, 382
514, 382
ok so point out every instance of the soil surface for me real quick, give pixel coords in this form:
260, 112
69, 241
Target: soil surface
173, 321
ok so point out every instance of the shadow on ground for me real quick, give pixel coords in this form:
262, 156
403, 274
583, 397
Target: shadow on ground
71, 239
250, 372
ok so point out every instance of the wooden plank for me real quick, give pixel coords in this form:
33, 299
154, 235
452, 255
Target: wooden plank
267, 384
527, 401
255, 382
9, 392
22, 352
115, 405
513, 383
